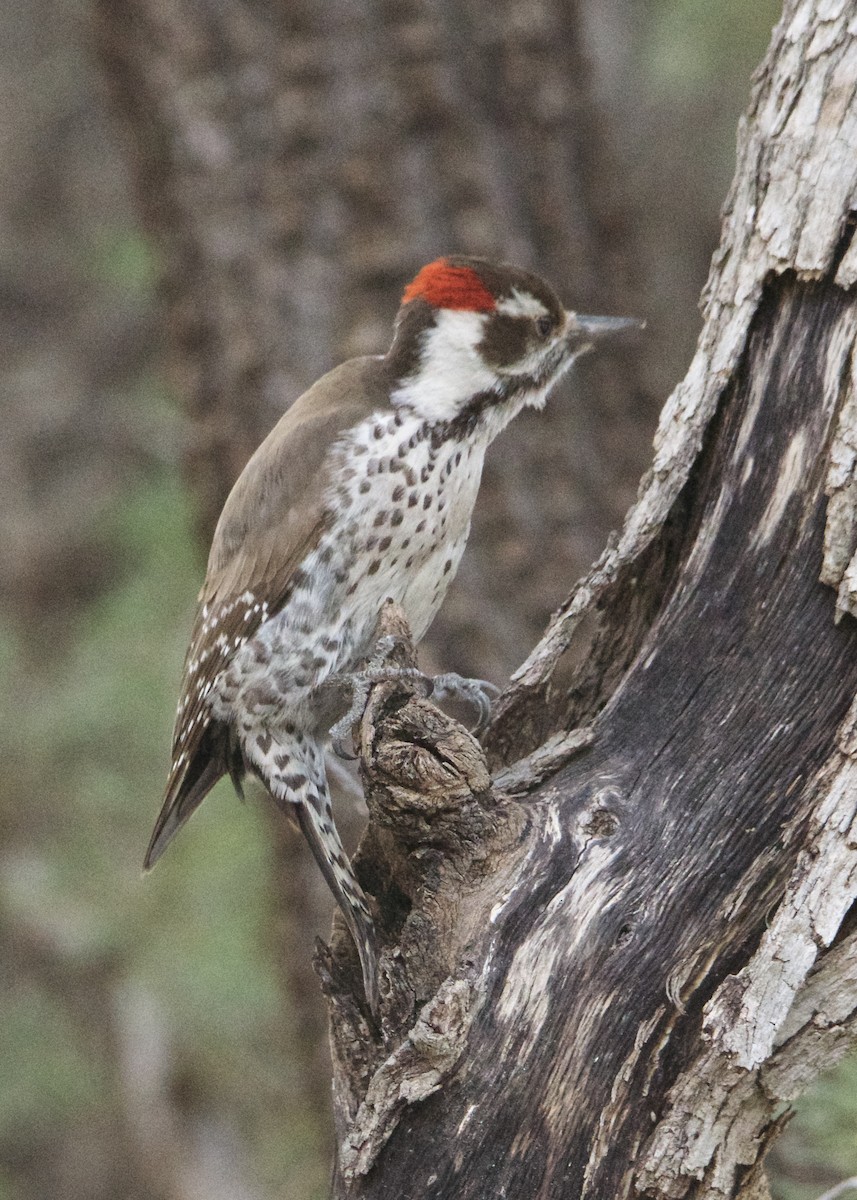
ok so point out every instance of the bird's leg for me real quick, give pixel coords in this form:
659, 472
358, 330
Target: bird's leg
450, 686
361, 683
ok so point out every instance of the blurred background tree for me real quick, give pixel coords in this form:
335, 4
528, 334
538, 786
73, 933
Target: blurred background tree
169, 283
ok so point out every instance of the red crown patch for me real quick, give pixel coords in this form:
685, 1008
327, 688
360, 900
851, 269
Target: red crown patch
445, 286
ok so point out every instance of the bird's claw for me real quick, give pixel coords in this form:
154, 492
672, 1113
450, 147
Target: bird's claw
340, 748
478, 692
340, 733
361, 684
451, 686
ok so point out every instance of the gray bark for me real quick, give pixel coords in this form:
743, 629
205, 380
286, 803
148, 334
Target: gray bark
609, 968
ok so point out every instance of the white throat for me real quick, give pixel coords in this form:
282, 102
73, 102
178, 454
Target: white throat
451, 370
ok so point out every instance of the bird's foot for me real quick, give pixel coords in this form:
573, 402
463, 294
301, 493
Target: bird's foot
478, 692
361, 683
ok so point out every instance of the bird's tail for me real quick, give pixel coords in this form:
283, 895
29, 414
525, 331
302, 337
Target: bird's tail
316, 822
191, 779
180, 803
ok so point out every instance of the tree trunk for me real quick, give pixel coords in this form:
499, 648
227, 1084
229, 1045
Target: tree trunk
608, 970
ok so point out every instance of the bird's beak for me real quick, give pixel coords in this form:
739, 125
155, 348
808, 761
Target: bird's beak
588, 331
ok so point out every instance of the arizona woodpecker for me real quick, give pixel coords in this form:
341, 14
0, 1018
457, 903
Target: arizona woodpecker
362, 492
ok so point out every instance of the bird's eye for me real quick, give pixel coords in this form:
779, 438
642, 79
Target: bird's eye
544, 325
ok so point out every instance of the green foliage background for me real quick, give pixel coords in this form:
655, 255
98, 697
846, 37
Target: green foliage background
193, 938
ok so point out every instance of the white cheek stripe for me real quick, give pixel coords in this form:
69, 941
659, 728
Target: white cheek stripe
521, 304
451, 371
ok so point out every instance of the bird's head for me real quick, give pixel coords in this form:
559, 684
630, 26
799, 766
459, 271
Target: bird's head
485, 338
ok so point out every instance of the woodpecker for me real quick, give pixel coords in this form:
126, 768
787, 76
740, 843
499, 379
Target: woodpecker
362, 492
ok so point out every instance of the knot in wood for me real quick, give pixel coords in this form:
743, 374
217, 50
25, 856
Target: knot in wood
416, 760
417, 763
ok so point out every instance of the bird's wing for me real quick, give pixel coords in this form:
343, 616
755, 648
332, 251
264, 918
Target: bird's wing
272, 519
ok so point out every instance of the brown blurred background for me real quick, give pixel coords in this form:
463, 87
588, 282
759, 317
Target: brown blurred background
203, 205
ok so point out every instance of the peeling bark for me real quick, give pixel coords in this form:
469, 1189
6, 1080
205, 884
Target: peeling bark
609, 971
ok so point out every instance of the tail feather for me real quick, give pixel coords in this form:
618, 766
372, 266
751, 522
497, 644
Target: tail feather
330, 855
293, 772
186, 790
